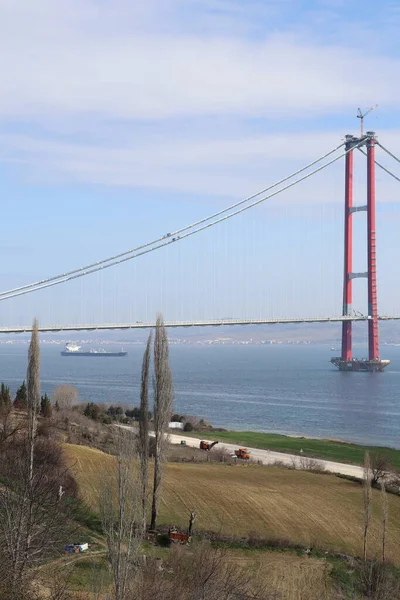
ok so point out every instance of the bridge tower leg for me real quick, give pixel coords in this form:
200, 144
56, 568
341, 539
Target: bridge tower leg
373, 327
348, 252
346, 362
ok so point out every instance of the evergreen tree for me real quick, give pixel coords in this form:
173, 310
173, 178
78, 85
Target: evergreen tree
5, 397
20, 401
56, 406
45, 407
92, 411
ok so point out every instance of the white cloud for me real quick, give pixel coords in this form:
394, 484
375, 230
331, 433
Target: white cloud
113, 93
85, 59
230, 167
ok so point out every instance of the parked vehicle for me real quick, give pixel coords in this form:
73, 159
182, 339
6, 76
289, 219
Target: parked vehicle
76, 547
178, 537
207, 445
242, 453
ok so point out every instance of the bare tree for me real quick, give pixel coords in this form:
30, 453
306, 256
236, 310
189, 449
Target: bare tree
33, 515
380, 466
23, 533
65, 396
144, 445
163, 399
367, 501
204, 573
191, 522
385, 515
119, 510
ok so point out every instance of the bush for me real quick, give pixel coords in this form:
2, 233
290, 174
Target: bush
115, 411
105, 419
177, 418
163, 540
188, 427
135, 413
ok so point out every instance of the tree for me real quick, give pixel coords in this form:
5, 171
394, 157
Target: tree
177, 418
33, 511
20, 401
6, 427
367, 495
380, 465
45, 407
119, 513
115, 411
22, 525
204, 573
5, 397
135, 413
163, 398
65, 396
35, 522
144, 445
92, 411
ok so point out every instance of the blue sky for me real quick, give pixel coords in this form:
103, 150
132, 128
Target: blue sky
122, 120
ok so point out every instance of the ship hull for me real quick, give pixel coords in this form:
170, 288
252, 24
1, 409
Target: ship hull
94, 354
356, 364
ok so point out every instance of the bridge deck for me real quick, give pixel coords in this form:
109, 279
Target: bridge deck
210, 323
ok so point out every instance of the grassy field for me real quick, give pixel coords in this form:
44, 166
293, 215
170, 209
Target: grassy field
328, 449
293, 577
302, 507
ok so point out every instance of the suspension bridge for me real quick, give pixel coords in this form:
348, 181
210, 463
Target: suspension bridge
273, 259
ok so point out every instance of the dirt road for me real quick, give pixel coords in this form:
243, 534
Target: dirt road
268, 457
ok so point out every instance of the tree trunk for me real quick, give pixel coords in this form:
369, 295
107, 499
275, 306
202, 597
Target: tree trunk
385, 515
144, 431
120, 511
156, 489
367, 501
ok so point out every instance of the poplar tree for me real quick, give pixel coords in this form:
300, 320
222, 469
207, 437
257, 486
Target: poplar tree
163, 399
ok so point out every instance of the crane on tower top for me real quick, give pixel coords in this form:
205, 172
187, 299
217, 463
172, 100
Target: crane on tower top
361, 115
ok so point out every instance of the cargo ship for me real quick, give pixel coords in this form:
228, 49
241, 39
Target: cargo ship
75, 350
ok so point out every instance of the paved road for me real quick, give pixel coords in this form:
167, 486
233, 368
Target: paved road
268, 457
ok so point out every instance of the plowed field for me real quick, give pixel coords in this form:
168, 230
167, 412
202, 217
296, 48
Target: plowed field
276, 503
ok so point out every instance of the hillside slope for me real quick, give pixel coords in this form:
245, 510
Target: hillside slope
276, 503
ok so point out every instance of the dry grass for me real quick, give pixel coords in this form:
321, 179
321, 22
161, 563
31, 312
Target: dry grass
314, 510
292, 577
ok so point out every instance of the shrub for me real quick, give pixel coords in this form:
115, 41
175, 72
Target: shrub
177, 418
163, 540
188, 427
105, 419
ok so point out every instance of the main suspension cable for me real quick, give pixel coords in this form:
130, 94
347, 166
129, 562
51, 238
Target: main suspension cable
168, 241
172, 234
388, 151
381, 166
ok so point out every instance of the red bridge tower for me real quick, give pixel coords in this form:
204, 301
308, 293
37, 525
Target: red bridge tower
346, 362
